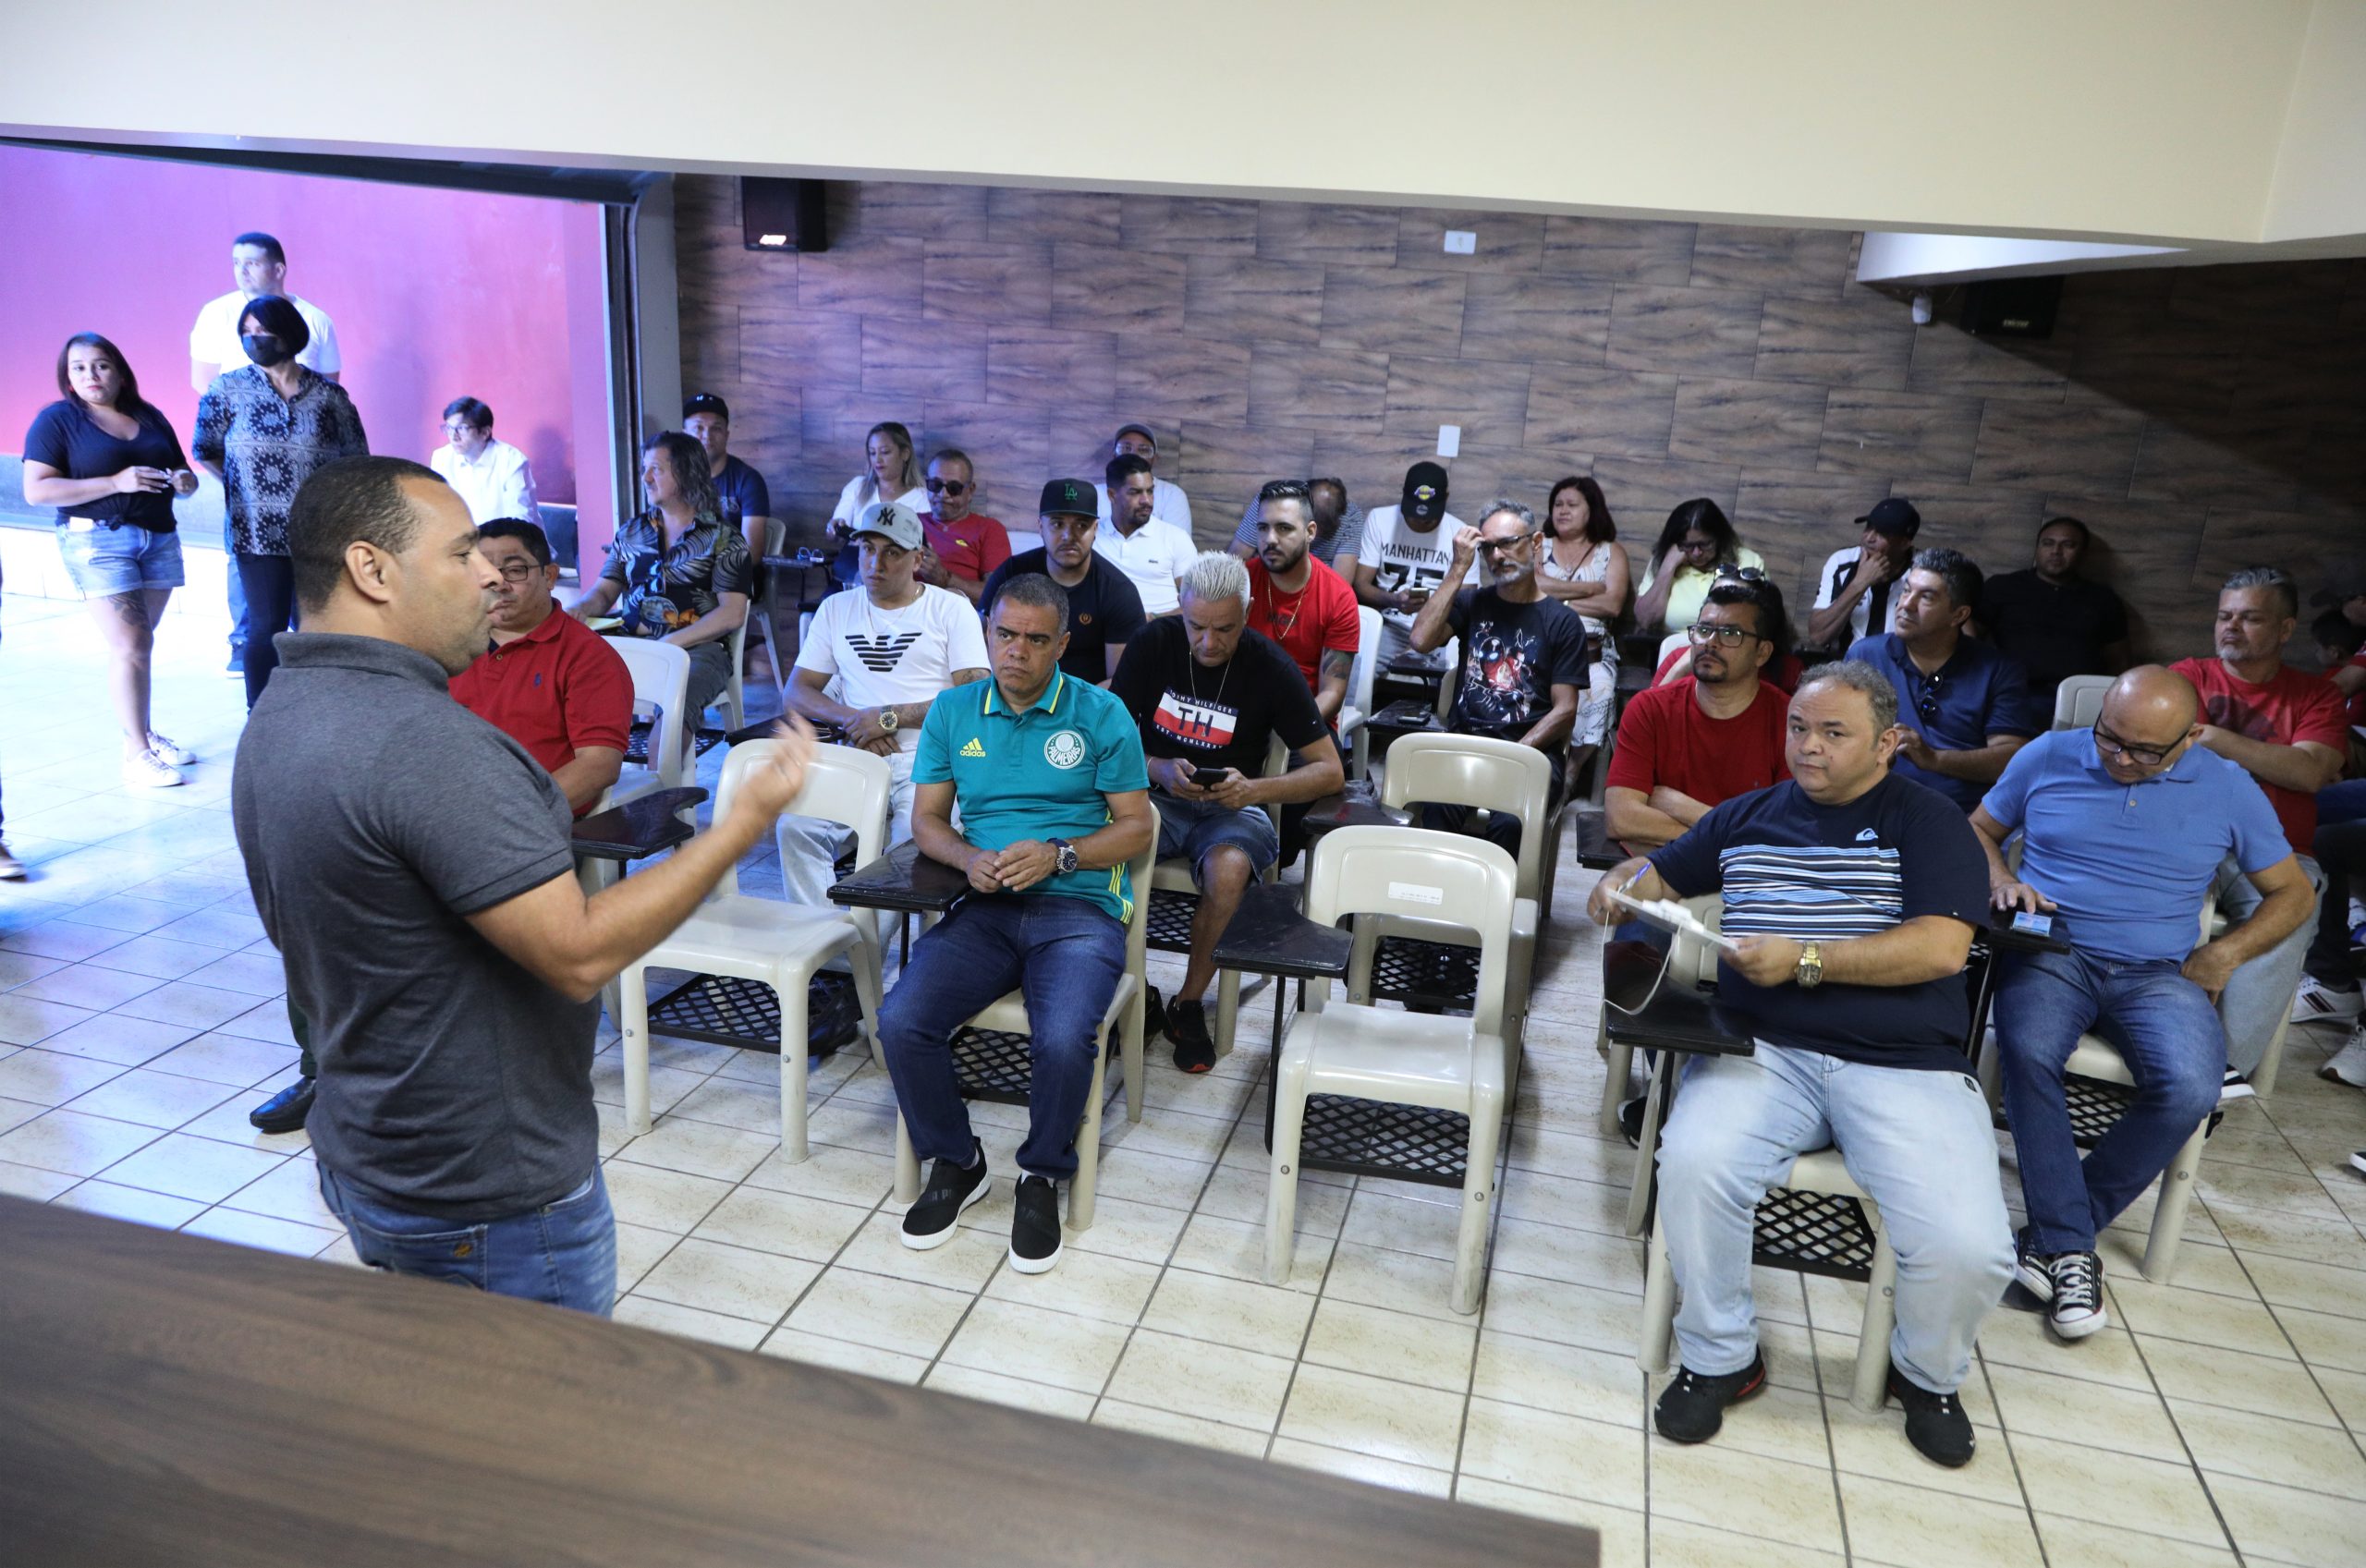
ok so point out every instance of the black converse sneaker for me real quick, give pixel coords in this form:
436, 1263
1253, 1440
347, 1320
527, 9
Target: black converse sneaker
1035, 1225
951, 1188
2029, 1271
1935, 1423
1694, 1406
2075, 1301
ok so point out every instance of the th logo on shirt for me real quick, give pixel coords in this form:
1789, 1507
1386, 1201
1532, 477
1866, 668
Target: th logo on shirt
1195, 721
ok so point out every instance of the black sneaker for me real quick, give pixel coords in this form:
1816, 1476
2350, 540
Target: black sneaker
1630, 1122
1187, 1026
2075, 1301
1693, 1407
1035, 1225
951, 1188
284, 1111
1935, 1423
1154, 1016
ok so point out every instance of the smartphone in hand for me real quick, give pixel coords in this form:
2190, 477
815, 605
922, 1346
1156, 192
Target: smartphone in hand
1208, 778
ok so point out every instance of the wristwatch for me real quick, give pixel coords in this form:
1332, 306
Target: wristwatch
887, 717
1810, 974
1066, 852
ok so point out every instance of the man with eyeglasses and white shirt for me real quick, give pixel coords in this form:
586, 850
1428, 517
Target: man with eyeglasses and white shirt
492, 477
889, 647
1963, 708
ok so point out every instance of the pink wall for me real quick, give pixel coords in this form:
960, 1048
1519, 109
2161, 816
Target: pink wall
434, 292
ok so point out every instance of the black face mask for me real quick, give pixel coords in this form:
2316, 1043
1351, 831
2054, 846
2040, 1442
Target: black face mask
266, 349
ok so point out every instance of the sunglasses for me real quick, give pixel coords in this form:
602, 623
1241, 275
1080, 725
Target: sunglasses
1926, 699
949, 487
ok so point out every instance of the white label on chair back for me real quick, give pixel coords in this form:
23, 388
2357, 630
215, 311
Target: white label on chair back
1413, 892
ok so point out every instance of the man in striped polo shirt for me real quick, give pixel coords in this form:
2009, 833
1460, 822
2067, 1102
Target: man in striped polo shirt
1851, 896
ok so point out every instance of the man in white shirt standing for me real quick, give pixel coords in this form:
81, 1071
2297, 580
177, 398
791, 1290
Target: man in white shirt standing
1168, 503
1404, 554
1858, 588
259, 267
490, 476
890, 646
1152, 551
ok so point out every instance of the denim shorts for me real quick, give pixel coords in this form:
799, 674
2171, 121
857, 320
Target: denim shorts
1196, 829
105, 559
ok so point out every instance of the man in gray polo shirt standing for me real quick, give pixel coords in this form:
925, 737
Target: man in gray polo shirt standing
412, 863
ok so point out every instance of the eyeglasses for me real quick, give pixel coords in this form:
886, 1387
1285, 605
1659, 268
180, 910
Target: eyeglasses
1498, 546
1701, 634
949, 487
1731, 573
457, 428
519, 571
2143, 756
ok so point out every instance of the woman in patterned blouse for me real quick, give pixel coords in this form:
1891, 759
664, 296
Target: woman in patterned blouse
261, 429
675, 571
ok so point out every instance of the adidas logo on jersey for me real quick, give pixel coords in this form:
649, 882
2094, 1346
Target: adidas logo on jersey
973, 748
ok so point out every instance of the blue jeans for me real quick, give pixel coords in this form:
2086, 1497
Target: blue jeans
2343, 802
1919, 1141
563, 1253
2341, 856
2164, 1027
1062, 955
2258, 997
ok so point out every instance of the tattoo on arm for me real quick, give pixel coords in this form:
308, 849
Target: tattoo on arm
1337, 664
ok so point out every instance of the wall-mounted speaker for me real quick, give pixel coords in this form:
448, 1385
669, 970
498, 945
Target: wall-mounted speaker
782, 214
2011, 307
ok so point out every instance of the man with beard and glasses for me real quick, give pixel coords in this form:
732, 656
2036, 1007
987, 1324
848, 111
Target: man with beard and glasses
414, 867
1523, 654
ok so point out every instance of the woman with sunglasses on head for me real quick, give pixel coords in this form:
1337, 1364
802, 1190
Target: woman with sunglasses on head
1583, 565
111, 465
263, 427
964, 547
891, 472
1696, 542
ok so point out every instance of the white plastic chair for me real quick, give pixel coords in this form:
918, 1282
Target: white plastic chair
1020, 544
1357, 708
1125, 1017
2079, 701
769, 940
760, 611
661, 687
1499, 775
1668, 644
1397, 1058
734, 698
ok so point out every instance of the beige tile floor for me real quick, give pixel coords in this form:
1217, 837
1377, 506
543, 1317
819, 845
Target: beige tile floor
2217, 1420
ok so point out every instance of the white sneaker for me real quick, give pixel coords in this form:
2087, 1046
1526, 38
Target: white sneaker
149, 770
2235, 1086
2348, 1065
171, 750
2316, 1002
11, 868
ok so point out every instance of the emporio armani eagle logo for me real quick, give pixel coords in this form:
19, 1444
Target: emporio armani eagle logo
881, 654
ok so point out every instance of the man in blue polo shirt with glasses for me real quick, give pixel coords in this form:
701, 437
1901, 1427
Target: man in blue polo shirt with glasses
2123, 826
1963, 708
1055, 798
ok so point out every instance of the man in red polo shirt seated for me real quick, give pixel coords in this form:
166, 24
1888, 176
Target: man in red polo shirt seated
1708, 736
964, 547
1298, 601
549, 682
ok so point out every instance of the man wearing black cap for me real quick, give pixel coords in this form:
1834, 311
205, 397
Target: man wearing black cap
1854, 593
1168, 503
747, 500
2055, 622
1404, 554
1105, 610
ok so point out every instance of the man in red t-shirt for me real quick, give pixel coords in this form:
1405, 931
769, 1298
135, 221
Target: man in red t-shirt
2287, 729
964, 547
1707, 737
1300, 603
549, 682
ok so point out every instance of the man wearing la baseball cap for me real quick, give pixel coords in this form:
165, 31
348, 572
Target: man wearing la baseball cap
892, 644
1853, 591
1104, 608
1404, 554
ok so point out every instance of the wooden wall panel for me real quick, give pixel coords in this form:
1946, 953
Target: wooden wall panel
2197, 419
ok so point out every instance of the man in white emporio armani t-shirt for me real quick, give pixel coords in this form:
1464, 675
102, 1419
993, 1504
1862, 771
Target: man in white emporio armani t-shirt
887, 649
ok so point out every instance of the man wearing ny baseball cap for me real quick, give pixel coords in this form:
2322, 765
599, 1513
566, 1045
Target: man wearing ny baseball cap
1853, 591
1104, 608
892, 644
1404, 554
